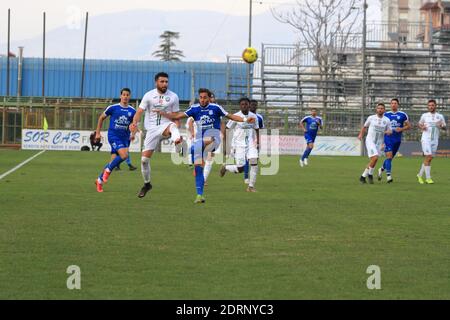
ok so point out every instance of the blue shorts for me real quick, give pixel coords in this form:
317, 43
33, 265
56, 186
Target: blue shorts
392, 146
310, 138
198, 149
117, 144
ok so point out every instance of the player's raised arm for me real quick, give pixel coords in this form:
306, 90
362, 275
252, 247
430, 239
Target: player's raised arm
172, 115
239, 118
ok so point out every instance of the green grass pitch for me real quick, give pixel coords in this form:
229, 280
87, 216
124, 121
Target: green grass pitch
309, 233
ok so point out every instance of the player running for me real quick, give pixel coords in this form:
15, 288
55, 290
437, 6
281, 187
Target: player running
158, 127
399, 123
313, 124
245, 143
430, 123
119, 136
253, 108
207, 117
378, 126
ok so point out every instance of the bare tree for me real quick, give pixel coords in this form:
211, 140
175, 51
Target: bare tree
325, 27
167, 51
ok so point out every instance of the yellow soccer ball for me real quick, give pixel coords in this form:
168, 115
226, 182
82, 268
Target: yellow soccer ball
250, 55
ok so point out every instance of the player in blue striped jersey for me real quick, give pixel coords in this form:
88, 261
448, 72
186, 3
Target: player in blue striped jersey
207, 117
310, 125
253, 108
399, 123
119, 135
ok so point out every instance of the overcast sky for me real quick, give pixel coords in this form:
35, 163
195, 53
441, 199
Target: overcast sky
27, 14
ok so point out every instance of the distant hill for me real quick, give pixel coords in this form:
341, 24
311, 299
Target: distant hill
205, 36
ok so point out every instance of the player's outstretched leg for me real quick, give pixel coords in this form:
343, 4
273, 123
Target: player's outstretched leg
146, 170
199, 184
253, 175
246, 172
207, 169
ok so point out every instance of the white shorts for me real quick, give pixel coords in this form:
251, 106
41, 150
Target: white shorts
373, 149
154, 136
429, 148
242, 154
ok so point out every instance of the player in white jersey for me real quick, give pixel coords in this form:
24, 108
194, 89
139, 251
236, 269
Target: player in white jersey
245, 143
378, 126
430, 123
158, 127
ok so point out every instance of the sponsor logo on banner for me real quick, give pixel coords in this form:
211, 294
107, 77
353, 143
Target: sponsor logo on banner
324, 146
67, 140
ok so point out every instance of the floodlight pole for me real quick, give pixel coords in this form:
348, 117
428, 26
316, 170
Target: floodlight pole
249, 69
7, 55
364, 70
364, 62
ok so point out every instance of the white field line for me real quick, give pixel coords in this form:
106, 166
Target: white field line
21, 165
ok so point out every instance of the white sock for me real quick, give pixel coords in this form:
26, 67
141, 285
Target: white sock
174, 133
371, 170
428, 172
422, 170
145, 169
253, 175
232, 168
207, 169
365, 173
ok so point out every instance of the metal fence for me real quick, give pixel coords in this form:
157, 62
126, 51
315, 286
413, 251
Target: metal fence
399, 64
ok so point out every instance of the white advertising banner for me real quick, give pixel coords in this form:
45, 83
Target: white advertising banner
67, 140
324, 146
295, 145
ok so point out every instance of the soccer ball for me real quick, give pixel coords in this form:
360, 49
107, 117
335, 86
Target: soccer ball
250, 55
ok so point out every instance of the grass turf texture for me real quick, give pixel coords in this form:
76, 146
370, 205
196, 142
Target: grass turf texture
309, 233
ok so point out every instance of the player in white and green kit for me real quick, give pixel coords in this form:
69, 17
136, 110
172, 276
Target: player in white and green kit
430, 123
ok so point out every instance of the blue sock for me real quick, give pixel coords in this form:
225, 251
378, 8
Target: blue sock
116, 162
199, 179
128, 160
306, 154
388, 166
192, 153
246, 168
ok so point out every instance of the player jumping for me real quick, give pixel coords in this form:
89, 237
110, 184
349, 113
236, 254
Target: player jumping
207, 117
158, 127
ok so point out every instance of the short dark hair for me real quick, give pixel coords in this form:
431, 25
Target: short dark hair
204, 90
395, 99
432, 101
125, 89
381, 104
244, 99
161, 75
254, 101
